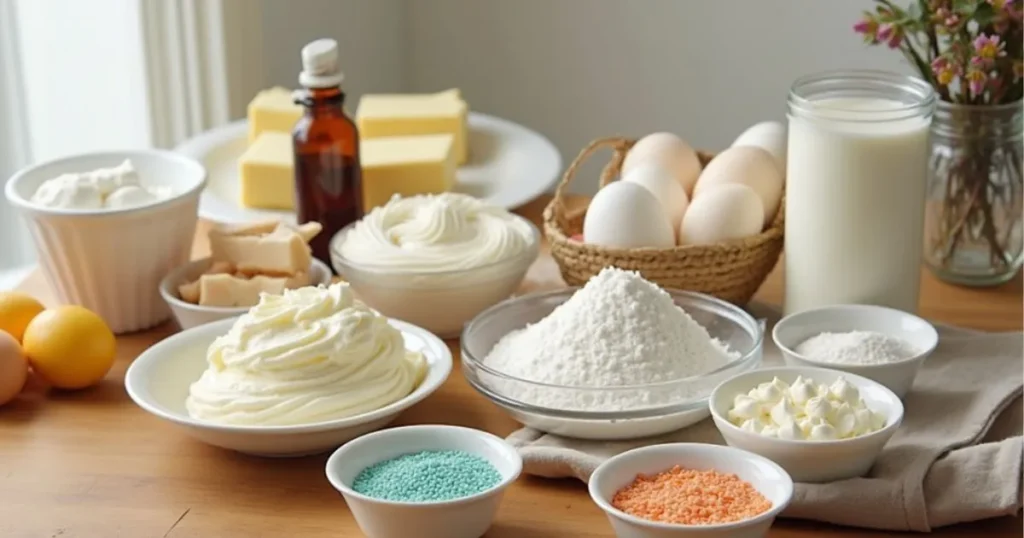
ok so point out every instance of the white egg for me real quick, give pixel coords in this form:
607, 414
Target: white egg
726, 212
671, 152
13, 367
663, 185
769, 136
626, 215
750, 166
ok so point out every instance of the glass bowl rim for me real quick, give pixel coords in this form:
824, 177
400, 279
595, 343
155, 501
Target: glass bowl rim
636, 413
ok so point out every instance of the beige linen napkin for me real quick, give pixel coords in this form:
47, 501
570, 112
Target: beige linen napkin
957, 456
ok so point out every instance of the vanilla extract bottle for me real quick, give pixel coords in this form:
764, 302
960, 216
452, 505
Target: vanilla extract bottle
328, 178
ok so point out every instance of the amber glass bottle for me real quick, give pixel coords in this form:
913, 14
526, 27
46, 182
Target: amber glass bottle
328, 186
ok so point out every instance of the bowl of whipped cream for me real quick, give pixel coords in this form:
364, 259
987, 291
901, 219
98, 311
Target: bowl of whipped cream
300, 373
108, 226
435, 260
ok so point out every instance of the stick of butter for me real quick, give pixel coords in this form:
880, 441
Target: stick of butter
241, 290
445, 112
252, 250
273, 109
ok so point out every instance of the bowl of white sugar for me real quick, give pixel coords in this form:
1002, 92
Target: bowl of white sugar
619, 358
882, 344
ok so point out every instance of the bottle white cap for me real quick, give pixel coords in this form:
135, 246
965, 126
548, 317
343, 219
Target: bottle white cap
320, 65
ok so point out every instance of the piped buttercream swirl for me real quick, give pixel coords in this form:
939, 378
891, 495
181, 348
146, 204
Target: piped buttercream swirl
309, 355
435, 233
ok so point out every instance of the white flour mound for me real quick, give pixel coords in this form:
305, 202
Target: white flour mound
855, 347
617, 330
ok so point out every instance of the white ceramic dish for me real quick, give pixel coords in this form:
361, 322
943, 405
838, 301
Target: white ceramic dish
112, 261
190, 315
469, 517
810, 461
684, 400
898, 376
159, 379
508, 166
616, 473
442, 301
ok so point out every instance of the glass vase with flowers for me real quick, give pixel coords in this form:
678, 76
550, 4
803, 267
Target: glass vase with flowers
970, 51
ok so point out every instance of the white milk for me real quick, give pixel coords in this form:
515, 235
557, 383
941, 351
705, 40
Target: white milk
855, 198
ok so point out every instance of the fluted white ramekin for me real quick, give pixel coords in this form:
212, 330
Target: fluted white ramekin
112, 261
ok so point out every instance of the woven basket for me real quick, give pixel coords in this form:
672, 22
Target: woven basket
731, 271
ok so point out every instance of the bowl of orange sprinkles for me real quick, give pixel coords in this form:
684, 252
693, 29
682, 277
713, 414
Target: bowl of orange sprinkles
690, 489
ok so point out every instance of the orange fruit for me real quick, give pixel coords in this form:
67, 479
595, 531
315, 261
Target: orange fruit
16, 310
69, 346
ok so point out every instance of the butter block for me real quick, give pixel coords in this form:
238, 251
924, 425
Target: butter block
307, 231
190, 292
272, 110
406, 165
381, 115
266, 172
283, 251
242, 290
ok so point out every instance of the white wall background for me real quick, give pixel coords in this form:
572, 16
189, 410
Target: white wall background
581, 69
373, 40
571, 69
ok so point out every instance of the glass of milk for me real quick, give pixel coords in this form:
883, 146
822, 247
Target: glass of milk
855, 189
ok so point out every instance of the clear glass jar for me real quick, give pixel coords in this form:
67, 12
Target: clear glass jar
855, 187
974, 234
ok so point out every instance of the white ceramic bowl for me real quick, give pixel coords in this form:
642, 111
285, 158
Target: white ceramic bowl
468, 517
441, 302
810, 461
618, 472
159, 379
190, 315
898, 376
112, 261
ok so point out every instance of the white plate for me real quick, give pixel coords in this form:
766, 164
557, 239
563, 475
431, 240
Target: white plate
159, 380
509, 165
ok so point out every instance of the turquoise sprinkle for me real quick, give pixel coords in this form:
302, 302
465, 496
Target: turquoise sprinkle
427, 476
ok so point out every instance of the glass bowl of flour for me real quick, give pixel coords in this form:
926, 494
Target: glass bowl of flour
617, 359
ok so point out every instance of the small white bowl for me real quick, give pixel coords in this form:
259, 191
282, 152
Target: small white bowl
810, 461
468, 517
618, 472
441, 301
111, 261
190, 315
159, 380
898, 376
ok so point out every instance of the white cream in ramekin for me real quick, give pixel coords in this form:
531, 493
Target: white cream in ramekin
435, 260
111, 260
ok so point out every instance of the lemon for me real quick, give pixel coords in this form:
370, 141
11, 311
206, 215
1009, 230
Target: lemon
16, 310
69, 346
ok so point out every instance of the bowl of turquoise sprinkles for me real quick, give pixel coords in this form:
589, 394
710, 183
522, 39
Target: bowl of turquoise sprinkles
427, 481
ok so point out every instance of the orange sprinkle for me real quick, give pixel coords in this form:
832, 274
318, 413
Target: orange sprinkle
691, 497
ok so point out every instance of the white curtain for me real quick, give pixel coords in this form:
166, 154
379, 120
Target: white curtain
16, 256
141, 73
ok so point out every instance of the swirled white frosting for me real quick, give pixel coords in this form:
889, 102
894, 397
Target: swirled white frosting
434, 233
309, 355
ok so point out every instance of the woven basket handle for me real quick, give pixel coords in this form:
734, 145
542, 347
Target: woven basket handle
618, 144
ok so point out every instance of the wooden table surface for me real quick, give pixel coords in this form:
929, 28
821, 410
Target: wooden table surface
91, 464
